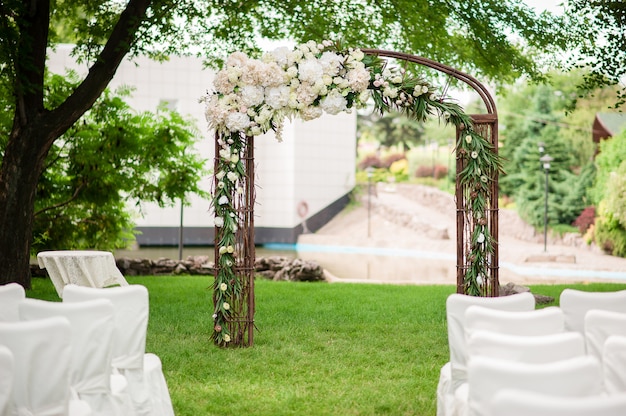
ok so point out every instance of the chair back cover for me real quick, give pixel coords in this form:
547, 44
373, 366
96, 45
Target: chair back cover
576, 377
41, 351
576, 303
92, 323
11, 295
599, 325
508, 402
526, 349
6, 379
614, 364
456, 306
550, 320
131, 306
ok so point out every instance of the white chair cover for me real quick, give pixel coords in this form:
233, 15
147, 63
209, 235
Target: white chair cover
550, 320
576, 377
538, 349
6, 379
11, 295
131, 304
92, 324
576, 303
42, 350
454, 373
599, 325
526, 349
614, 365
509, 402
153, 371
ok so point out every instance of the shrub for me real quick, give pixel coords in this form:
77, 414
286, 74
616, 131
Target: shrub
430, 171
400, 170
370, 161
424, 171
610, 236
586, 219
391, 158
440, 172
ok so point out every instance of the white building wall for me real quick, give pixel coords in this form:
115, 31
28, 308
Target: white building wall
314, 163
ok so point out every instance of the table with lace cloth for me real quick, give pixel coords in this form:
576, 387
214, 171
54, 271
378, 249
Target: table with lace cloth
81, 267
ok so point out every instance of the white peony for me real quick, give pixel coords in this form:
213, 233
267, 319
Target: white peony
251, 95
237, 121
310, 113
237, 59
310, 70
281, 56
334, 102
331, 63
359, 79
277, 97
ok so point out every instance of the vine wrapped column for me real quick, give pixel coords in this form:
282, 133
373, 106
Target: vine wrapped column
234, 197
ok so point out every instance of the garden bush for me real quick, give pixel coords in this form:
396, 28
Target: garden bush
585, 219
391, 158
370, 161
610, 235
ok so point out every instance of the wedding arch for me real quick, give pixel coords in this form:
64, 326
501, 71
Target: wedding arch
254, 96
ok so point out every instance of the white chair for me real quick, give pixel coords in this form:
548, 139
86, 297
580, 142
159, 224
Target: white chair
526, 349
6, 379
576, 303
146, 382
550, 320
599, 325
509, 402
540, 349
454, 372
11, 295
92, 324
614, 365
41, 351
576, 377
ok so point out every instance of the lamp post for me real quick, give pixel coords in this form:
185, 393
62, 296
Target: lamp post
369, 200
545, 161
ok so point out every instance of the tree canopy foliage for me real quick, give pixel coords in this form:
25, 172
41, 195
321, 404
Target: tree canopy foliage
596, 31
110, 158
462, 34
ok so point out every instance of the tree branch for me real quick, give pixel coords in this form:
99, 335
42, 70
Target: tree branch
101, 72
61, 204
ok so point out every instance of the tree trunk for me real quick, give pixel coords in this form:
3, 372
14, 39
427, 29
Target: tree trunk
19, 174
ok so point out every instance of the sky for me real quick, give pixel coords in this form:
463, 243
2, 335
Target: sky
553, 6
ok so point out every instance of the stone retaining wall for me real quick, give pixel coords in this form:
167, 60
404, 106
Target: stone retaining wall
272, 268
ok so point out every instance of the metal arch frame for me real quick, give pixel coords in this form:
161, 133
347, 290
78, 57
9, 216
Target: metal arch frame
488, 123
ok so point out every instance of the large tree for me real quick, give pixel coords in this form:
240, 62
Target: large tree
492, 39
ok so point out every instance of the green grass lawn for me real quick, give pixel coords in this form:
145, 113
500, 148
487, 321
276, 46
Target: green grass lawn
320, 349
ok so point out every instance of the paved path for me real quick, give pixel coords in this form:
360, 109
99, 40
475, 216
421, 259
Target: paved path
401, 239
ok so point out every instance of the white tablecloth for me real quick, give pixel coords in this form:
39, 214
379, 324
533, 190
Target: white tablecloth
84, 268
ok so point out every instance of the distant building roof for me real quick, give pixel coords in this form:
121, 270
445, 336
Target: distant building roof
607, 125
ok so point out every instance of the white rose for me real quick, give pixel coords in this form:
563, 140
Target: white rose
218, 221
